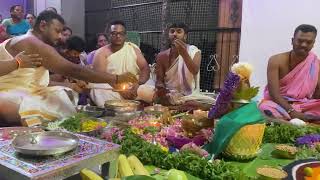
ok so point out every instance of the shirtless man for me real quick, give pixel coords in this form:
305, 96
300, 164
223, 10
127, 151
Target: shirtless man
293, 78
177, 68
47, 31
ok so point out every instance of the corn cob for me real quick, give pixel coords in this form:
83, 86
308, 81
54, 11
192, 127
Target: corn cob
136, 166
124, 167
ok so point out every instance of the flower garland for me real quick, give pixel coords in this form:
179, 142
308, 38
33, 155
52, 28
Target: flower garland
223, 100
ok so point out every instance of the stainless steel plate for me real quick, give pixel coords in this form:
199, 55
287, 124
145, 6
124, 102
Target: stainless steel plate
45, 143
122, 105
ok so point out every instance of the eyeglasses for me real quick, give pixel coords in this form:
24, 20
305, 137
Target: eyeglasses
115, 34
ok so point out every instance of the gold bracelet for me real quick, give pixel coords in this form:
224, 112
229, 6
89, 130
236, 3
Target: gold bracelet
18, 60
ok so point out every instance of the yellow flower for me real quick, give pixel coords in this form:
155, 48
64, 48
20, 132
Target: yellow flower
136, 130
164, 149
244, 70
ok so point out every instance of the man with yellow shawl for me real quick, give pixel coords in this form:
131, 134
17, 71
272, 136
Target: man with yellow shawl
120, 57
24, 93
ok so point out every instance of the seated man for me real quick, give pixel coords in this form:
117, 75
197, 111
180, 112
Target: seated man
74, 46
177, 68
116, 58
292, 80
24, 91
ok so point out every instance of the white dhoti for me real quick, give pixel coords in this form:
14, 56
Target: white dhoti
28, 88
122, 61
179, 80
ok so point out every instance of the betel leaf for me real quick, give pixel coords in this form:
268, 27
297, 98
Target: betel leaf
246, 94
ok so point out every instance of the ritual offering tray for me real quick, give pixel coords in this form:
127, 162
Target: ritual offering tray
270, 173
162, 112
285, 151
121, 106
307, 169
192, 124
80, 123
45, 143
94, 111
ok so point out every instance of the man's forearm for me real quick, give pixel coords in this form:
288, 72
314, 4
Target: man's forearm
281, 101
8, 66
144, 77
89, 75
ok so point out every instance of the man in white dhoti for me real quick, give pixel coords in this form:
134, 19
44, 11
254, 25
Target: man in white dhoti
116, 58
177, 68
24, 93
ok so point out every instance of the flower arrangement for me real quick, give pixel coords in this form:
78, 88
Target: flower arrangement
170, 135
236, 87
224, 98
310, 140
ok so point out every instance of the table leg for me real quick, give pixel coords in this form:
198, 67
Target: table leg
105, 170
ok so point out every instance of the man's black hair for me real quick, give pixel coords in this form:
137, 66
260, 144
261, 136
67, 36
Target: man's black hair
75, 43
47, 16
14, 6
67, 28
180, 25
116, 22
52, 9
25, 16
305, 28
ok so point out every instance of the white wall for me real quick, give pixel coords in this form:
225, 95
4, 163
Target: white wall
41, 5
72, 12
267, 28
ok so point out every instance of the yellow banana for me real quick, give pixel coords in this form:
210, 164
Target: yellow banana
124, 167
136, 166
87, 174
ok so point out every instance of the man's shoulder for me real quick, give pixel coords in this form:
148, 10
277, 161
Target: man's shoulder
28, 41
163, 53
279, 58
104, 51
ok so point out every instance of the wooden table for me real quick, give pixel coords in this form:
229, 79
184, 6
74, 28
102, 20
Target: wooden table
90, 153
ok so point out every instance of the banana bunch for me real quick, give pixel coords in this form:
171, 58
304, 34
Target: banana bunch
130, 166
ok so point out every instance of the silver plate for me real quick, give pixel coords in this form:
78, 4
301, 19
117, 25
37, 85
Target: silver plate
45, 143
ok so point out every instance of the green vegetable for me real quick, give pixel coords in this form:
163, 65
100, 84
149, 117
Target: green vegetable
306, 152
73, 124
150, 154
287, 134
246, 94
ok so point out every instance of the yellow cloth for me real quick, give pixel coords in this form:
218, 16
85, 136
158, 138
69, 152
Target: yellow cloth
122, 61
179, 80
20, 86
